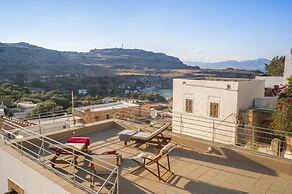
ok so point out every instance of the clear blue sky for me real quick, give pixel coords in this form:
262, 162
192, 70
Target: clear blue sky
206, 30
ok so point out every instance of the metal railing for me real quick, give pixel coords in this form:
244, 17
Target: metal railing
38, 151
226, 131
230, 132
42, 127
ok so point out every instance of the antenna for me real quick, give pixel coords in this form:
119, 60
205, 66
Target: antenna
74, 121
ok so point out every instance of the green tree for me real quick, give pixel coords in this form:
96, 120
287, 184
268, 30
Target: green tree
152, 97
46, 107
62, 101
7, 101
276, 67
282, 116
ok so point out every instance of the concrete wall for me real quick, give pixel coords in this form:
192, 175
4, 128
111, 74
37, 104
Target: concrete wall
232, 96
29, 179
266, 102
271, 81
65, 133
127, 112
248, 91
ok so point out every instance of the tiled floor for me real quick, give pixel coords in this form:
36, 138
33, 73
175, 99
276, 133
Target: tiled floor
193, 172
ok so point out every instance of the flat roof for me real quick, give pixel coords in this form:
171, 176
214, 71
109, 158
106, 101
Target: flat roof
108, 106
219, 79
194, 171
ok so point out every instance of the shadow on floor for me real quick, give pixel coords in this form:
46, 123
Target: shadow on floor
191, 186
130, 187
106, 138
201, 187
242, 162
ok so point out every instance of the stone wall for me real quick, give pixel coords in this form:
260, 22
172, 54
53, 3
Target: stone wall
132, 112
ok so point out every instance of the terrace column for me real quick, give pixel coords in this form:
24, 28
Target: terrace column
288, 66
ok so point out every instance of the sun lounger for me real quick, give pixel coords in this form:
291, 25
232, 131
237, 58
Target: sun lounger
66, 149
85, 140
144, 160
156, 137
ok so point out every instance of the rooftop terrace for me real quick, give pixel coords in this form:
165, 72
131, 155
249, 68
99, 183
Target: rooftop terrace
109, 106
195, 171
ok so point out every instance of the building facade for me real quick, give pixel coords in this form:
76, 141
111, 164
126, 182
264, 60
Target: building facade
208, 109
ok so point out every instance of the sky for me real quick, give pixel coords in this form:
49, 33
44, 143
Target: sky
193, 30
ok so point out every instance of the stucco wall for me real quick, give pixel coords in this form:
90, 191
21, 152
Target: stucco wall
232, 96
248, 91
202, 92
199, 124
30, 180
271, 81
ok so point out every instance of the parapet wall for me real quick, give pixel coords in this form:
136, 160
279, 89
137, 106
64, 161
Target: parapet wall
26, 174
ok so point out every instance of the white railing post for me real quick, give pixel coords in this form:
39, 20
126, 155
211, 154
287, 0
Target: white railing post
118, 181
43, 152
181, 123
21, 144
40, 128
213, 134
74, 167
252, 141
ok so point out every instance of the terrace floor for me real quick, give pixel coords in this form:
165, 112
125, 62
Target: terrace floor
194, 172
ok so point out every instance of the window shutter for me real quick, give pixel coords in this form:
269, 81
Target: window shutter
189, 105
214, 109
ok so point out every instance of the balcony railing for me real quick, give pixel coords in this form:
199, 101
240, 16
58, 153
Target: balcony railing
38, 151
227, 131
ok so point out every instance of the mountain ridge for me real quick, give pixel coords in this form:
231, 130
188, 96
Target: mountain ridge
27, 58
252, 64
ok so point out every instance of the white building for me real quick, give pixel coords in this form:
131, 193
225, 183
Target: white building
288, 66
2, 112
271, 81
202, 108
26, 105
82, 91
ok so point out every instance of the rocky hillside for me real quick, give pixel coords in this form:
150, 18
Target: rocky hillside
29, 59
131, 58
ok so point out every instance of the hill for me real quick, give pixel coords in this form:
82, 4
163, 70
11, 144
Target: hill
25, 58
257, 64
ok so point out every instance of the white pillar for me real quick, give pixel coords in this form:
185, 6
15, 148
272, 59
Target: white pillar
288, 66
